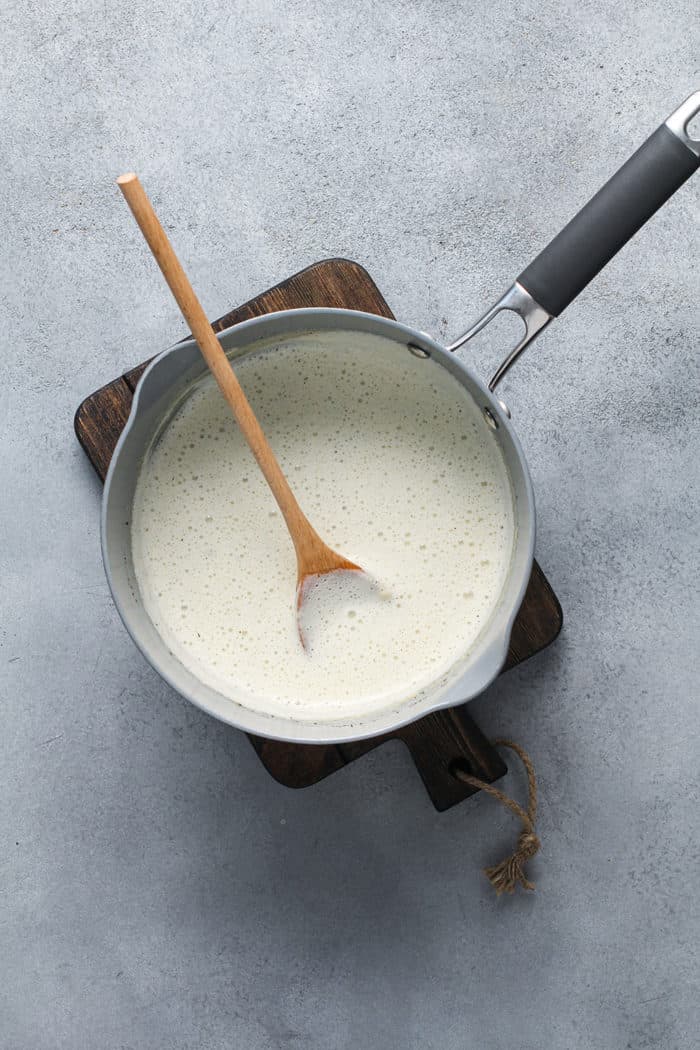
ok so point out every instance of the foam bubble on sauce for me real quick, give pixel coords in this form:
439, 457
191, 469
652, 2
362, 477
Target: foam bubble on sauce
393, 464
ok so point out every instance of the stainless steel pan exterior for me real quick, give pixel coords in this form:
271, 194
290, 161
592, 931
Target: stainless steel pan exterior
161, 390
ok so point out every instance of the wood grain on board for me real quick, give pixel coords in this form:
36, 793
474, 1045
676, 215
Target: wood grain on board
435, 741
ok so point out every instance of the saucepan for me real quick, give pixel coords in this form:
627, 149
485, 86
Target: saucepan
542, 291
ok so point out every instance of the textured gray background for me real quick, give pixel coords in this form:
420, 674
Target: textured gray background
160, 890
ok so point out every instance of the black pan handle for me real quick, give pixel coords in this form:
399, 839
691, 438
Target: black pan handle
553, 280
608, 221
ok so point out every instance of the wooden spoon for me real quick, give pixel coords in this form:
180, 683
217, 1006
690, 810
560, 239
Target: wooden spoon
314, 557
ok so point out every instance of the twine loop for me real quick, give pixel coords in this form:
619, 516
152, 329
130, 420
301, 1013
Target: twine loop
504, 877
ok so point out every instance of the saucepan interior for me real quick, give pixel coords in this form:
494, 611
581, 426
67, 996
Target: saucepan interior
162, 389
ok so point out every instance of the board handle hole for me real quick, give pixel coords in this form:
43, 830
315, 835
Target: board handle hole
460, 765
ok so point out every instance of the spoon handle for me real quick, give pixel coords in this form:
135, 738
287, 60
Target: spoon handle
220, 366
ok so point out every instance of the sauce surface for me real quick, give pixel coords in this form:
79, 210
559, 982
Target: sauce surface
395, 467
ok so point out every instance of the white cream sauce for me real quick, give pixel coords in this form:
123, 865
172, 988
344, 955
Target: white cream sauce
393, 464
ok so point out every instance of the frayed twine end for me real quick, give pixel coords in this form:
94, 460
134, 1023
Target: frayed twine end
504, 877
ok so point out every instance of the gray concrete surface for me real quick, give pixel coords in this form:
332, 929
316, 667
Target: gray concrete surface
159, 889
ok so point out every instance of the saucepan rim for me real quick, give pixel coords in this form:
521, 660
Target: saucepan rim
489, 652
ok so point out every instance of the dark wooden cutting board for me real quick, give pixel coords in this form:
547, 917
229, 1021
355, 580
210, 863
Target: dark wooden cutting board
436, 741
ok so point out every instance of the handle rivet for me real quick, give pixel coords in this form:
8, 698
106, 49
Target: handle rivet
490, 418
418, 351
505, 409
